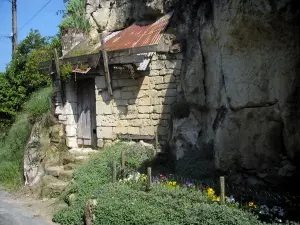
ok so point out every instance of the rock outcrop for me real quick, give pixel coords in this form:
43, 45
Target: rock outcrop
240, 78
33, 169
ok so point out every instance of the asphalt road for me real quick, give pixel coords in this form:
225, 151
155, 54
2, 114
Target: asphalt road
12, 214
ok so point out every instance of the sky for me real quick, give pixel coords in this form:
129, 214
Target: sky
46, 22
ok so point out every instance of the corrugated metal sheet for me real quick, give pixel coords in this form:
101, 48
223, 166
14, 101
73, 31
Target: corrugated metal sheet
143, 65
138, 36
78, 70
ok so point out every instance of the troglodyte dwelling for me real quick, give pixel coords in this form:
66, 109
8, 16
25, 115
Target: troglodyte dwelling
129, 93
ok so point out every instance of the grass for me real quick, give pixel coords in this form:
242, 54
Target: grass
97, 172
127, 203
13, 145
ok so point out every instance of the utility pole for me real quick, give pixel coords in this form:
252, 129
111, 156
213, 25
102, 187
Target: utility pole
14, 37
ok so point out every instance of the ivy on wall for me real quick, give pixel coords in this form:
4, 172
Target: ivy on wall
66, 71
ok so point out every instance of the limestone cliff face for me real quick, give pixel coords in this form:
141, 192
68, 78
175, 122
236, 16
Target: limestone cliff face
240, 77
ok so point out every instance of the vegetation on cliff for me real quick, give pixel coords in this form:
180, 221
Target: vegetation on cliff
13, 145
21, 80
74, 17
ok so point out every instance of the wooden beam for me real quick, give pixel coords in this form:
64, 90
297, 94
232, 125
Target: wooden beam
133, 51
87, 59
126, 59
121, 56
83, 59
105, 62
56, 59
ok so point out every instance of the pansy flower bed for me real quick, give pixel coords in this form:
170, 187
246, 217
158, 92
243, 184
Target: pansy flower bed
265, 213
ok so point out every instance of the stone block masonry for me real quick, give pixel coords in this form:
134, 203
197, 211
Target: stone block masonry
140, 106
67, 113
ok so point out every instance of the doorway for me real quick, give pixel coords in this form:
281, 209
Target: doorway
86, 111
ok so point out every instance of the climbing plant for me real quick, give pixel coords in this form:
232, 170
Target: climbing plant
66, 71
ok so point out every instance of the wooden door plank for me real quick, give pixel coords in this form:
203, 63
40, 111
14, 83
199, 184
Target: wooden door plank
86, 113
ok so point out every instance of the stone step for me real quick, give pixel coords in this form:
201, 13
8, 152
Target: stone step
59, 173
82, 151
70, 166
81, 159
71, 159
53, 189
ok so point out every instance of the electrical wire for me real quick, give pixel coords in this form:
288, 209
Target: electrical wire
2, 38
34, 16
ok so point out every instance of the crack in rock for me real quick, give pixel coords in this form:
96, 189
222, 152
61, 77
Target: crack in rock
259, 105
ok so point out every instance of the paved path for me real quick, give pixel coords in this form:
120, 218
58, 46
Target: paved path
12, 214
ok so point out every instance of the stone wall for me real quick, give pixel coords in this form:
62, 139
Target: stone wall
67, 113
70, 39
241, 78
140, 106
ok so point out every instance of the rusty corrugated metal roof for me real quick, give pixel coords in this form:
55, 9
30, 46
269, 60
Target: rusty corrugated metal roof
138, 36
78, 70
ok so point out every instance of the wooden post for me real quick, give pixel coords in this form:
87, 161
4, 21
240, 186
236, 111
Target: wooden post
149, 178
123, 160
222, 190
156, 142
59, 81
123, 165
105, 61
114, 171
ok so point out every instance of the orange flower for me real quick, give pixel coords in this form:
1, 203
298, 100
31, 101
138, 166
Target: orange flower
251, 204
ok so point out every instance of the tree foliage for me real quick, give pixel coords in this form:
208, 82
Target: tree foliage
22, 76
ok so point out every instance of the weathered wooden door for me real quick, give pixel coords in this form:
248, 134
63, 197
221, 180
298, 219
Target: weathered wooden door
86, 108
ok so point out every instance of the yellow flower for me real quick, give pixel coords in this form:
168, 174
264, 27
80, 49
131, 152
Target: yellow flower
169, 183
218, 199
174, 183
143, 177
251, 204
210, 191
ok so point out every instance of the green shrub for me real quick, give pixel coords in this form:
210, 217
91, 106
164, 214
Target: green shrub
5, 125
66, 71
22, 76
121, 204
129, 203
97, 172
39, 103
13, 145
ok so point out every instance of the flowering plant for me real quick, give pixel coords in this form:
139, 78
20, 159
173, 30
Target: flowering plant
274, 214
